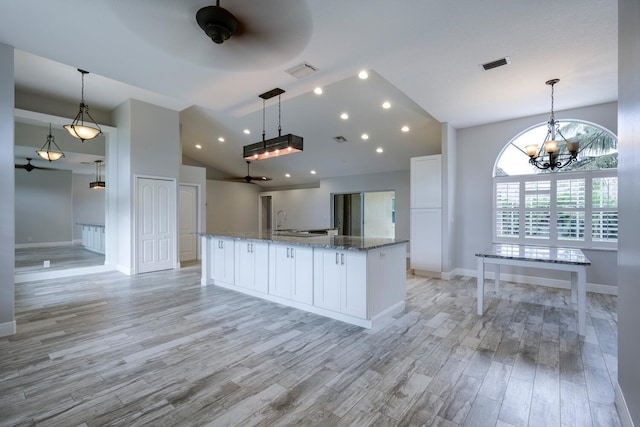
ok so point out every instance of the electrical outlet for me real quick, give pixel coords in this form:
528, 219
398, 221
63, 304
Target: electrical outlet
47, 264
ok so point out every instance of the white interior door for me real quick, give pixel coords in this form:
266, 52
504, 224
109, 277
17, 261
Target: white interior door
188, 220
156, 221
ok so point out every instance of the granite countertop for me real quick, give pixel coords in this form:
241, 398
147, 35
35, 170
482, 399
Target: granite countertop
90, 225
549, 254
350, 243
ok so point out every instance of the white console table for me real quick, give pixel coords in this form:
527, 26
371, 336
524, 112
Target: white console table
552, 258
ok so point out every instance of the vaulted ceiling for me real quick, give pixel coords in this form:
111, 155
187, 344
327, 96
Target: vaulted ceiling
423, 56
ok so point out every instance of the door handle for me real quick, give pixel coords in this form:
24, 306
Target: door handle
252, 248
341, 259
337, 258
288, 252
291, 253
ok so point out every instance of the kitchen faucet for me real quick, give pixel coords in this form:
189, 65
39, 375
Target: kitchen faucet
278, 220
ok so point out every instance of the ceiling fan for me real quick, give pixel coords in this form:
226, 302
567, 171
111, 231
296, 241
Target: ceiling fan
248, 178
29, 167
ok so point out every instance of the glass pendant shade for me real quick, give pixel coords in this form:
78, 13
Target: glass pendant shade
50, 150
78, 128
99, 183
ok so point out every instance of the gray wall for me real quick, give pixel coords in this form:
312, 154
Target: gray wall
88, 204
629, 185
148, 144
43, 206
197, 175
477, 150
7, 192
232, 206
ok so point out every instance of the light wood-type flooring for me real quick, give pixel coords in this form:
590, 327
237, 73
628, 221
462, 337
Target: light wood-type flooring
158, 349
61, 257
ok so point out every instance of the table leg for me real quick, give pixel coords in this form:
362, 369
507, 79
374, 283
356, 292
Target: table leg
497, 279
574, 287
480, 280
582, 300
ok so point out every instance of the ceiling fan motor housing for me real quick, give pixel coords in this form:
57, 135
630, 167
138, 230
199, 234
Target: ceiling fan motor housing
218, 23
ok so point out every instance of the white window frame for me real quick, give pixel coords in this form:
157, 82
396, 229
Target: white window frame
588, 176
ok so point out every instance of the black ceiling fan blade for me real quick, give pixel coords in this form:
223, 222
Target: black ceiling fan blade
248, 178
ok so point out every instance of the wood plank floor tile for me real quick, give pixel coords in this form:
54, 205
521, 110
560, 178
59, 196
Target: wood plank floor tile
159, 349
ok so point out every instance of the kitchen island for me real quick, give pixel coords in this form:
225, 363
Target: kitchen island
357, 280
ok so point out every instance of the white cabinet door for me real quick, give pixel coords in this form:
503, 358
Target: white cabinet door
244, 264
426, 182
302, 266
354, 286
327, 279
280, 271
223, 260
426, 239
340, 282
261, 267
252, 265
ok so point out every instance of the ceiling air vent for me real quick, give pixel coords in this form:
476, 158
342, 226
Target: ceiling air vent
339, 139
301, 70
495, 64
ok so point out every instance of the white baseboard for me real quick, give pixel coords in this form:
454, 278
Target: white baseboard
42, 245
7, 328
621, 406
427, 273
540, 281
57, 274
125, 270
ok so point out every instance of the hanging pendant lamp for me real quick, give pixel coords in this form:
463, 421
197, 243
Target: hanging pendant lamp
99, 183
50, 153
77, 128
274, 147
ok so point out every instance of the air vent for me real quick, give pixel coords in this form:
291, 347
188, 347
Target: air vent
495, 64
301, 70
339, 139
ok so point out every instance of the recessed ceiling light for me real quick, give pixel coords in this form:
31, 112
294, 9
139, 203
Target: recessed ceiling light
287, 175
313, 172
318, 91
198, 146
246, 131
379, 150
221, 139
344, 116
405, 129
363, 74
364, 136
386, 105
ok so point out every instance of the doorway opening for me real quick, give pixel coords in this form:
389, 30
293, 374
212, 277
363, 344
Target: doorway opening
365, 214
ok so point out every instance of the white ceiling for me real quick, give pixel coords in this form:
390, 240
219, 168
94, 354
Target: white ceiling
423, 55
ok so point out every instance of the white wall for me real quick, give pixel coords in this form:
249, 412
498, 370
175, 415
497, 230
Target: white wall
629, 185
311, 207
232, 207
477, 150
88, 203
7, 192
43, 205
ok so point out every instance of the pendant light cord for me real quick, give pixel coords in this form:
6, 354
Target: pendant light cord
279, 127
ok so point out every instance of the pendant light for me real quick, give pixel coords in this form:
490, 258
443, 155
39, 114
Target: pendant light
561, 152
77, 128
49, 153
99, 183
274, 147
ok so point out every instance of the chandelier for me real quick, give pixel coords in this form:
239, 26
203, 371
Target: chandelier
274, 147
48, 152
550, 155
77, 128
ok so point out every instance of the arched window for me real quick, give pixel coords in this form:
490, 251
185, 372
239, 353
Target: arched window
576, 205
